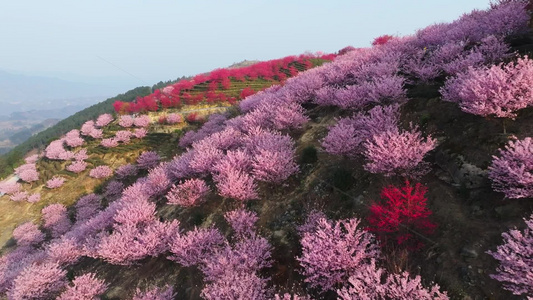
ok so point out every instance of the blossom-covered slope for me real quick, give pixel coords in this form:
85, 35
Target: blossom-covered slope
392, 172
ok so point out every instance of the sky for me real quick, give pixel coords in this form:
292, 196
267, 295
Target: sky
138, 42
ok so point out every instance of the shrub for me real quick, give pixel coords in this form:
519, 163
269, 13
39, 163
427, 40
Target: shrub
512, 172
189, 193
403, 211
516, 260
334, 251
394, 152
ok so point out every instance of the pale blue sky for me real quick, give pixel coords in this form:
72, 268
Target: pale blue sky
161, 40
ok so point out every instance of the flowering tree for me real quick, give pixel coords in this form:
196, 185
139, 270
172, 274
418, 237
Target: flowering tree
174, 118
125, 121
28, 234
27, 172
195, 246
189, 193
394, 152
334, 251
32, 159
86, 207
123, 136
64, 251
104, 120
101, 172
19, 196
55, 182
142, 121
125, 171
77, 166
56, 219
156, 293
38, 281
516, 260
148, 159
140, 133
499, 90
512, 172
347, 136
73, 138
81, 155
33, 198
404, 210
371, 282
242, 221
84, 287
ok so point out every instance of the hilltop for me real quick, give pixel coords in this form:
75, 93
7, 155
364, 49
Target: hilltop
397, 171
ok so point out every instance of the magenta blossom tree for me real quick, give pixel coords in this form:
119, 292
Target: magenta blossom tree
515, 256
148, 159
56, 219
394, 152
188, 193
38, 281
512, 172
499, 90
84, 287
334, 251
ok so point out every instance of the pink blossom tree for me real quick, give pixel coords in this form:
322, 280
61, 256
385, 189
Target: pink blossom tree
195, 246
101, 172
64, 251
191, 192
38, 281
33, 198
55, 182
73, 138
512, 172
125, 121
166, 293
515, 256
334, 251
109, 143
77, 166
140, 133
394, 152
104, 120
56, 219
32, 159
28, 234
84, 287
499, 90
19, 196
142, 121
371, 282
174, 118
27, 172
123, 136
81, 155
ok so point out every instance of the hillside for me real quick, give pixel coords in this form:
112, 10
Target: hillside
399, 171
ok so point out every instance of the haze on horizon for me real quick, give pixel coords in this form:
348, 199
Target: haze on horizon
137, 43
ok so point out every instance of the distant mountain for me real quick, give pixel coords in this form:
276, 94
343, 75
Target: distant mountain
20, 93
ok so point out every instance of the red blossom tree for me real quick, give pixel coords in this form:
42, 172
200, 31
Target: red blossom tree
402, 212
